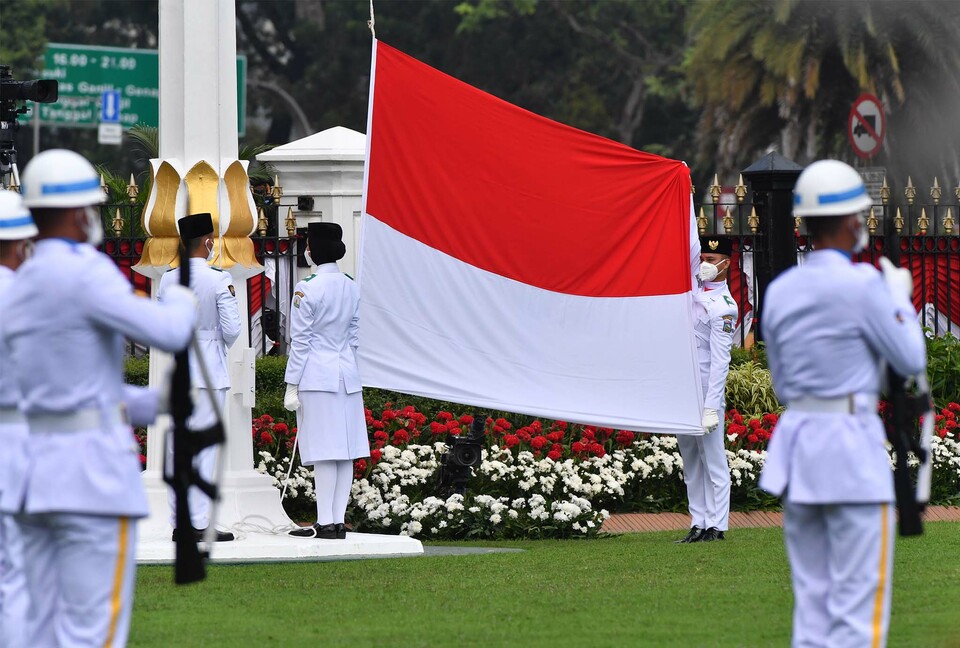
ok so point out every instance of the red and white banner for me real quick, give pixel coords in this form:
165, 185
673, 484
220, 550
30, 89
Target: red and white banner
515, 263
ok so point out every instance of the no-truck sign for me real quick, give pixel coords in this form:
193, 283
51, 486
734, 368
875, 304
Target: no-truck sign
866, 126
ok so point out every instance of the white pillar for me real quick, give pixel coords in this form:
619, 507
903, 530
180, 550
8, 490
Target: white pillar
198, 171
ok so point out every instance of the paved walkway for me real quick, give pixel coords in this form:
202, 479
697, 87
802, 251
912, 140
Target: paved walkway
639, 522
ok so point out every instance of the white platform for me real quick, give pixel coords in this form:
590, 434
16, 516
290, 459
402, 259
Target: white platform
263, 547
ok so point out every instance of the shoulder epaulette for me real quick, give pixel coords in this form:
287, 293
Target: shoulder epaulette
310, 277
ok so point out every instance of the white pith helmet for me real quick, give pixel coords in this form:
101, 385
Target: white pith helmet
60, 178
829, 188
16, 223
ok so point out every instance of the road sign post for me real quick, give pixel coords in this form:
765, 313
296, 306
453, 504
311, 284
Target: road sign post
866, 126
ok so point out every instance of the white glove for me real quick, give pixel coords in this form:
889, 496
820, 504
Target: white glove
291, 399
711, 419
899, 280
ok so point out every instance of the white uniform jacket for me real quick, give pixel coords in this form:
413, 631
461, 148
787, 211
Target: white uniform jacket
714, 330
13, 427
218, 320
64, 323
827, 325
323, 332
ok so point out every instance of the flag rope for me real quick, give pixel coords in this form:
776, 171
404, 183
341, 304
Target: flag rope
372, 23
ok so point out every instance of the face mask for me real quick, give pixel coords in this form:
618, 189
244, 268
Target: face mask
708, 271
92, 226
209, 251
306, 255
863, 236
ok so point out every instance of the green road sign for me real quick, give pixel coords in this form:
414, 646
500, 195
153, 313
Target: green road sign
85, 72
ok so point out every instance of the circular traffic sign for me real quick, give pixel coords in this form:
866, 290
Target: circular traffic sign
866, 126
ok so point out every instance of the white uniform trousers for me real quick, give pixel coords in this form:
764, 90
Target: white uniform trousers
841, 562
707, 475
14, 600
203, 416
80, 572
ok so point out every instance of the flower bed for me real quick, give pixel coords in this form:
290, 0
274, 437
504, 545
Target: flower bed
543, 479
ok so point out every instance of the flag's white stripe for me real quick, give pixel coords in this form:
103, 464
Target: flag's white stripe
435, 326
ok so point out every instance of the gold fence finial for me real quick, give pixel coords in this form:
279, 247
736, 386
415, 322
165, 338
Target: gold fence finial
898, 222
923, 222
702, 222
261, 222
715, 189
276, 191
740, 189
104, 188
956, 191
117, 223
948, 222
872, 222
132, 190
291, 222
885, 191
727, 221
935, 192
753, 221
910, 192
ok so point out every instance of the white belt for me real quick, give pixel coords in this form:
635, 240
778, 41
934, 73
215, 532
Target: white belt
85, 419
849, 404
11, 416
207, 334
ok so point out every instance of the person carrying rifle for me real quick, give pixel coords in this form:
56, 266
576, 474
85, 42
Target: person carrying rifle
77, 492
829, 326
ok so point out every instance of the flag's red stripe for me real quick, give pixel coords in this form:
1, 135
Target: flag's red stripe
520, 195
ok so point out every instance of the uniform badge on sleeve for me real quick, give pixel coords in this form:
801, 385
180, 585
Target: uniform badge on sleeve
899, 317
232, 290
297, 296
727, 323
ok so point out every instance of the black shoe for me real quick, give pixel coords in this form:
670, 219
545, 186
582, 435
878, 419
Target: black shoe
341, 531
316, 530
222, 536
711, 535
695, 535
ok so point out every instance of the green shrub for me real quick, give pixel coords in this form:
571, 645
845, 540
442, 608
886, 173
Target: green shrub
757, 354
750, 390
943, 369
137, 371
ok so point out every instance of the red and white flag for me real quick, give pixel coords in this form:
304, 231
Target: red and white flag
514, 263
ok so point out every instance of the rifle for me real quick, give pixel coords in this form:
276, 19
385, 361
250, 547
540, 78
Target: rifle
905, 409
189, 564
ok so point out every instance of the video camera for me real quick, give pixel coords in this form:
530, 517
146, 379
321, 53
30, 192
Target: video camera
11, 93
457, 463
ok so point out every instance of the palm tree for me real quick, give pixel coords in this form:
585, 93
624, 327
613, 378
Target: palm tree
784, 73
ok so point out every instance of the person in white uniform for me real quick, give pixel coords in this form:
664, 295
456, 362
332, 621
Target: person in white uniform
323, 381
76, 491
829, 326
16, 228
705, 469
218, 327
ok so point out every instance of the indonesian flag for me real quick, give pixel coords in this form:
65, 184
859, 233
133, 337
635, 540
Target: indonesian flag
514, 263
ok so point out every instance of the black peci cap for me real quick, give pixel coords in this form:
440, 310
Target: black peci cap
195, 225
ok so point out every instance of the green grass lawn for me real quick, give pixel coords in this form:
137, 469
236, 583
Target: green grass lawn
630, 590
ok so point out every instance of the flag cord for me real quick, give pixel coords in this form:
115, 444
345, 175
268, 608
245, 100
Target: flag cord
372, 23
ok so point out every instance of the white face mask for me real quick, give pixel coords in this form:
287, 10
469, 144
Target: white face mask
708, 271
306, 255
26, 250
92, 226
863, 236
209, 251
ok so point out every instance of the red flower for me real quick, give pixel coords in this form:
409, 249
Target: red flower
770, 419
453, 427
555, 455
625, 437
378, 425
375, 456
143, 460
511, 440
359, 467
561, 425
407, 411
504, 423
388, 415
597, 450
266, 438
380, 435
754, 423
266, 418
438, 428
497, 429
753, 438
950, 424
538, 443
401, 436
577, 447
444, 416
281, 428
556, 436
466, 419
737, 418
